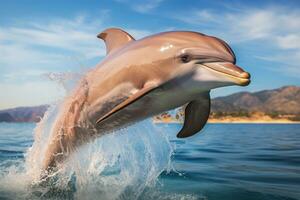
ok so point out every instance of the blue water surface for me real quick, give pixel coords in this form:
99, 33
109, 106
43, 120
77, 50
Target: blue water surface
225, 161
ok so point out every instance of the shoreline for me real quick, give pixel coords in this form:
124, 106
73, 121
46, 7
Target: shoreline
235, 122
253, 122
249, 121
225, 120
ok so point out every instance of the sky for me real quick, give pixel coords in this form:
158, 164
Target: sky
43, 43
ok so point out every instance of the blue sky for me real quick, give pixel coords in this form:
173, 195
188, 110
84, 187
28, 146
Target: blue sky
45, 42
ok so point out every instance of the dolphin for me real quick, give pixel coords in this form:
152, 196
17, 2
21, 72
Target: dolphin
141, 78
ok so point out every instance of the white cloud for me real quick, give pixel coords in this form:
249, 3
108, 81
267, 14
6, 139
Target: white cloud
146, 6
53, 43
142, 6
16, 55
28, 94
246, 25
37, 42
29, 50
276, 28
291, 41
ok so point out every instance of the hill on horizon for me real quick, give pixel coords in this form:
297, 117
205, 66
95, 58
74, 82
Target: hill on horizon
23, 114
284, 100
276, 102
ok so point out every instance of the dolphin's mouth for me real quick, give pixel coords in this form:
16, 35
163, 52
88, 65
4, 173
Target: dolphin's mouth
237, 74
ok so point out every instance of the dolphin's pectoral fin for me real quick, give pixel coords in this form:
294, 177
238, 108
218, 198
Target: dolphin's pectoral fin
115, 38
196, 115
145, 90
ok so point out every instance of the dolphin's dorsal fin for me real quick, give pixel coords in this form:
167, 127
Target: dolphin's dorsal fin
196, 116
115, 38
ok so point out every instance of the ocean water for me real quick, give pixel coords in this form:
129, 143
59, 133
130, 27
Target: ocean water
147, 161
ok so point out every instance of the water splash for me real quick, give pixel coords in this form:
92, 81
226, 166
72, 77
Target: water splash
120, 165
125, 164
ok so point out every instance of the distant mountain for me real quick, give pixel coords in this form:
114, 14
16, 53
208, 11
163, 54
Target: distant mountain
274, 103
285, 100
23, 114
268, 106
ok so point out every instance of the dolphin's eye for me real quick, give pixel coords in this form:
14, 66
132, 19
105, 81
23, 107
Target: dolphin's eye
185, 58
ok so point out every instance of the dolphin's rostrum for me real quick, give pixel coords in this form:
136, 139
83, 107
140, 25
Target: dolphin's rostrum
141, 78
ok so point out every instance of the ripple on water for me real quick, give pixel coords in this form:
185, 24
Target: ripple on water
259, 162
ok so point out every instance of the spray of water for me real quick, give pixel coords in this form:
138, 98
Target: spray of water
125, 164
119, 165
